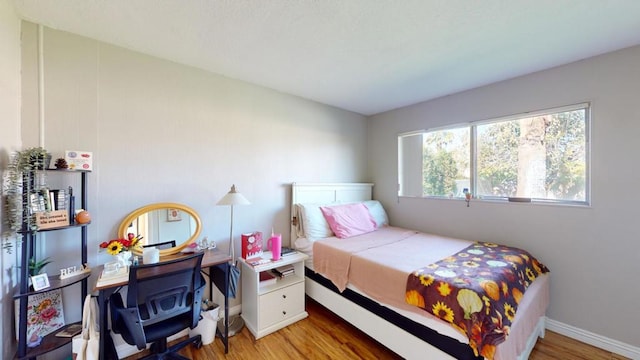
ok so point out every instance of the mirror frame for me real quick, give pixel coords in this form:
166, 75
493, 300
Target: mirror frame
124, 225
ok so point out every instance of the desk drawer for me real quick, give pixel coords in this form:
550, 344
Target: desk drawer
281, 304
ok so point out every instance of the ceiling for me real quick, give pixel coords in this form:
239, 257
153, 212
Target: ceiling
366, 56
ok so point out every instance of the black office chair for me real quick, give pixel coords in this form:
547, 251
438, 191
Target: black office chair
162, 245
162, 300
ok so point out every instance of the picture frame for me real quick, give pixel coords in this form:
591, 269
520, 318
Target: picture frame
40, 282
174, 215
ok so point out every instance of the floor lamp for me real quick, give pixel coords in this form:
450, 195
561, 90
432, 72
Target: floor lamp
232, 198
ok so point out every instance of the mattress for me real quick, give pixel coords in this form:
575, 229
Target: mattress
380, 273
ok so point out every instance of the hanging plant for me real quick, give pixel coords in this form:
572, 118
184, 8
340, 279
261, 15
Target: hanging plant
24, 175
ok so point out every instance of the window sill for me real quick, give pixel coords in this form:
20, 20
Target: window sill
575, 204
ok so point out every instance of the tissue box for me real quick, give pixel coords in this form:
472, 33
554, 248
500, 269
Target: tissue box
79, 160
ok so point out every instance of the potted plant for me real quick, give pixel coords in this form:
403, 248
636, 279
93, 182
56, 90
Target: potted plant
35, 267
19, 181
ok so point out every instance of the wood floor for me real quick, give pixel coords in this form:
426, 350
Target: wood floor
323, 335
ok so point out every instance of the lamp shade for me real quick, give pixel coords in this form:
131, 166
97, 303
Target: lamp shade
233, 197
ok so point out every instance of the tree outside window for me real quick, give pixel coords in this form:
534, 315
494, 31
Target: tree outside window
542, 156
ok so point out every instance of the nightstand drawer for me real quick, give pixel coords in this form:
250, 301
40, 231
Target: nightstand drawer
281, 304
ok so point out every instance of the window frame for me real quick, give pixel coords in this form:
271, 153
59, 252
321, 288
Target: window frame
473, 152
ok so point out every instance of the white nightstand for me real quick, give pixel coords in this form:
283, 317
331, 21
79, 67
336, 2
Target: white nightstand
269, 308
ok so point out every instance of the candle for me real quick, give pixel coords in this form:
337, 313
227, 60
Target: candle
150, 255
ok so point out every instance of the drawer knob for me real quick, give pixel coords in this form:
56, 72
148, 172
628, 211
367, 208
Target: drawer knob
284, 296
284, 313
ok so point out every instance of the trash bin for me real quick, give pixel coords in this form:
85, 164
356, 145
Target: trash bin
207, 325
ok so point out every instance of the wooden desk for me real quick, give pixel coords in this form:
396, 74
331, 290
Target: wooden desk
214, 260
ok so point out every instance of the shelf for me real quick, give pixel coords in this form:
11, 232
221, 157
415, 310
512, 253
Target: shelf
284, 260
67, 170
60, 228
49, 343
66, 227
56, 283
29, 247
280, 283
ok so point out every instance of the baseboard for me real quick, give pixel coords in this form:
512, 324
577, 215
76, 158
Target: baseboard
596, 340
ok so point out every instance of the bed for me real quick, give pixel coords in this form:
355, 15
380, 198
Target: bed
383, 313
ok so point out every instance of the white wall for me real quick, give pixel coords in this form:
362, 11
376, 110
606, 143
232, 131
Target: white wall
592, 252
161, 131
9, 140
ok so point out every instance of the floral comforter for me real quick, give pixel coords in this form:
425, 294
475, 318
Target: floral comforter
477, 290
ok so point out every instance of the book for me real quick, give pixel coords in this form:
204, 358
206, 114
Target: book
267, 278
285, 251
284, 270
258, 261
36, 203
70, 331
52, 201
61, 202
58, 199
44, 315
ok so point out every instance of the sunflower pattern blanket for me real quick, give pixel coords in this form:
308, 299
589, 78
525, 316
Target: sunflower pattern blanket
477, 290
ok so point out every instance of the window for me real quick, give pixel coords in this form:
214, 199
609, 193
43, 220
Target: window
541, 156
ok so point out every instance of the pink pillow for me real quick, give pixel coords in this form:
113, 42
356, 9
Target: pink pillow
349, 220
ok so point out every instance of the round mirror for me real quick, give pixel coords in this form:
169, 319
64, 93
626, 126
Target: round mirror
168, 226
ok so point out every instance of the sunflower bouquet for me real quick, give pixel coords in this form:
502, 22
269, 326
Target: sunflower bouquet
116, 246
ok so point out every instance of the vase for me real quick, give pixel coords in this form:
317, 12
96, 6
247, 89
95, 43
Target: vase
124, 257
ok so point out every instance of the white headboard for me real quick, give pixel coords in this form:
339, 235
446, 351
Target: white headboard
326, 193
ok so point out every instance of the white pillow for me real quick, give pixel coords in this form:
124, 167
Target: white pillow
377, 211
314, 224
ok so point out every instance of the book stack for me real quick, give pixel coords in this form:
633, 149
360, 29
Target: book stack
284, 271
267, 278
48, 200
286, 251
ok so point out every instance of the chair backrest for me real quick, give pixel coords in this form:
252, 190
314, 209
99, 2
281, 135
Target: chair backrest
166, 289
162, 245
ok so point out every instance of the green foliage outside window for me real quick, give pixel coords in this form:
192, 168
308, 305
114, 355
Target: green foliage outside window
542, 157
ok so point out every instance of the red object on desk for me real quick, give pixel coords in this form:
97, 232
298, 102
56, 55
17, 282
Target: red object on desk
251, 245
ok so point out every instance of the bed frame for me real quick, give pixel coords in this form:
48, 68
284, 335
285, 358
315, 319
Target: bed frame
375, 320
